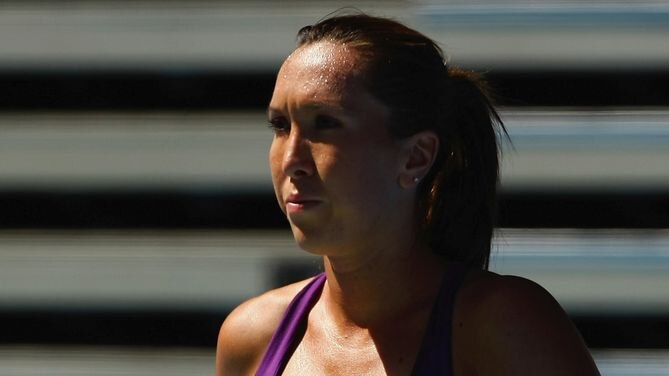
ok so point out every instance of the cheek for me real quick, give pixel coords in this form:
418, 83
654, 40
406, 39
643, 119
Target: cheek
275, 159
275, 166
360, 175
328, 161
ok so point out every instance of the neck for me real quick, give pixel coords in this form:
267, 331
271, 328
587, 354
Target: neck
382, 285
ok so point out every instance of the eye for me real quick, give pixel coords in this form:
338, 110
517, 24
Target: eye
279, 124
326, 122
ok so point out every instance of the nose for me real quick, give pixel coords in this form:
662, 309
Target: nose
298, 160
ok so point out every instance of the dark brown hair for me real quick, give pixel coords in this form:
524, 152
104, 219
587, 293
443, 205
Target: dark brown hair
407, 71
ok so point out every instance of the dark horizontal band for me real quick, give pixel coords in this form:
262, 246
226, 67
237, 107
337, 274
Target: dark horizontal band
259, 210
183, 328
207, 89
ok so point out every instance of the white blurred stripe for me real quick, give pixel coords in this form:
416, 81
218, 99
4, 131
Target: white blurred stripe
195, 269
129, 150
638, 362
104, 361
595, 272
258, 34
125, 361
157, 34
604, 271
607, 150
554, 150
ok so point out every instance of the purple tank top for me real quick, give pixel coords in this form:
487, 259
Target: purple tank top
434, 356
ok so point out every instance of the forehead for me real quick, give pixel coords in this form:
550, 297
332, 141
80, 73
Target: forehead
319, 65
325, 54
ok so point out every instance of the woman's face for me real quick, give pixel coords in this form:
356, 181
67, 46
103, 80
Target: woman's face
333, 161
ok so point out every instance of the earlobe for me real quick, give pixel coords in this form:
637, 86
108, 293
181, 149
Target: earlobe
406, 182
421, 150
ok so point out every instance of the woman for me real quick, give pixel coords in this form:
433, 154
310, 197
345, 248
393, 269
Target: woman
384, 160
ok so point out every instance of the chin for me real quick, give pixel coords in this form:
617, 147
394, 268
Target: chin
307, 242
311, 241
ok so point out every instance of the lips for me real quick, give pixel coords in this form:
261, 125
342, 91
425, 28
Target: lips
297, 203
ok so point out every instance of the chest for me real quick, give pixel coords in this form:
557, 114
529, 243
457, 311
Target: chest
383, 352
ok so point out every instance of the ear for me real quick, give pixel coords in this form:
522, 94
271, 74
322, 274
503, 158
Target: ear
420, 151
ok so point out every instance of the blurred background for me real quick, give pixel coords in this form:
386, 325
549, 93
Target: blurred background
136, 208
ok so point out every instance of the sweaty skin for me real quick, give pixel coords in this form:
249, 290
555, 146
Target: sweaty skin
348, 190
332, 149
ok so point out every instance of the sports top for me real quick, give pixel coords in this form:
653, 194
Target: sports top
434, 356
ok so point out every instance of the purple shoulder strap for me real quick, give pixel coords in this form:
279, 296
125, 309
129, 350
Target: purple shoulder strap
435, 356
285, 338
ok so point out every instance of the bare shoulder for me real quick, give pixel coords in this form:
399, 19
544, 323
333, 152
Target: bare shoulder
508, 325
247, 330
505, 294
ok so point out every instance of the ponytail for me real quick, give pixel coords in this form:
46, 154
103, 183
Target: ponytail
458, 198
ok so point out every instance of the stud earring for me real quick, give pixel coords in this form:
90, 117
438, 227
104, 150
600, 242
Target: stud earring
416, 179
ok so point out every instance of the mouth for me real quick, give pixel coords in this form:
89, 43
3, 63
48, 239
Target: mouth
297, 203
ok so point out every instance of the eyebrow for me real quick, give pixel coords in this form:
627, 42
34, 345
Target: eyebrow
312, 106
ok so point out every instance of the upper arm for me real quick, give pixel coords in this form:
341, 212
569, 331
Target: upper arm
515, 327
247, 330
239, 343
